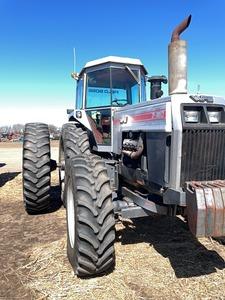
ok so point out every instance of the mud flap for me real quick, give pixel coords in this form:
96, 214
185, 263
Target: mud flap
206, 208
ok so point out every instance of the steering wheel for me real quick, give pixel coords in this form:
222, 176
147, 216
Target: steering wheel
118, 102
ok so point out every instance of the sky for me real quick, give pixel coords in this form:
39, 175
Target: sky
37, 38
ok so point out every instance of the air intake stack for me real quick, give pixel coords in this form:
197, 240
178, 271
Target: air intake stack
177, 57
156, 86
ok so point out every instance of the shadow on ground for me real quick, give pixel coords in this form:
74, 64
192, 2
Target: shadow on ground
5, 177
55, 202
172, 239
2, 165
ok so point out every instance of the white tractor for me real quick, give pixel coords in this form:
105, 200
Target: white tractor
123, 156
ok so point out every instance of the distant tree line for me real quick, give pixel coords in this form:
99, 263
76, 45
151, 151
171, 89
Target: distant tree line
16, 128
15, 132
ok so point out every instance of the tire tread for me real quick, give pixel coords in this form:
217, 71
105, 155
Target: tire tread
94, 253
36, 168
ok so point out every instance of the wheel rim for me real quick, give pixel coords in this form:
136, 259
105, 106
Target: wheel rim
70, 213
62, 178
62, 174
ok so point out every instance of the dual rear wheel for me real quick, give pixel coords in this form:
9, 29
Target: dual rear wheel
85, 191
74, 141
36, 168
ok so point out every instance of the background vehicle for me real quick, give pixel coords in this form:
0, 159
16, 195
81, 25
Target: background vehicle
121, 155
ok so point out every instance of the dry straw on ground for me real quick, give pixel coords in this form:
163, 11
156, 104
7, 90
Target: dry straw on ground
156, 258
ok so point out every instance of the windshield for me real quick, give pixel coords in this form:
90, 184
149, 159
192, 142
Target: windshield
112, 87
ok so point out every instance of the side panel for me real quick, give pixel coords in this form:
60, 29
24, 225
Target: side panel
158, 145
151, 116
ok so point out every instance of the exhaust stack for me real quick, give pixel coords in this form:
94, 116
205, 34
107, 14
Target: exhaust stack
177, 57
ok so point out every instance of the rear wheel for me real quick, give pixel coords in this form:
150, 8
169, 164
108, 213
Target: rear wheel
74, 140
90, 216
36, 168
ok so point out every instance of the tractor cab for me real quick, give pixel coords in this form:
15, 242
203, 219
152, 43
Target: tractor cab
104, 85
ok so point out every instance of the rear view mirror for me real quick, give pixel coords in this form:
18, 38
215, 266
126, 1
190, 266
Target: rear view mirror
69, 111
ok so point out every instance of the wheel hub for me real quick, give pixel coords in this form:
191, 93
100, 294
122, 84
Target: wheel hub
70, 213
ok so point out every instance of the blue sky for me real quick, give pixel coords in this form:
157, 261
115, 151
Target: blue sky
37, 40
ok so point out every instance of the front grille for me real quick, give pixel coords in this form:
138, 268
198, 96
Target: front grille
203, 155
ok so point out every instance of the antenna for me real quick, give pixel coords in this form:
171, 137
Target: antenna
74, 60
74, 75
198, 88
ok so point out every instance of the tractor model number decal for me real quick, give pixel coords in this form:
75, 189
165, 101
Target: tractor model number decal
159, 114
154, 115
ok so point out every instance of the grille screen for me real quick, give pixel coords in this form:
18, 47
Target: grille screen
203, 155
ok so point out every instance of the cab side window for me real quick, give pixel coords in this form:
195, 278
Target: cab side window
79, 100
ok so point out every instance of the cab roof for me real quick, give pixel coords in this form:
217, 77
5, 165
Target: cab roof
114, 59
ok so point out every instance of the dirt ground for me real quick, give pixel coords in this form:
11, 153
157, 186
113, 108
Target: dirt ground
156, 258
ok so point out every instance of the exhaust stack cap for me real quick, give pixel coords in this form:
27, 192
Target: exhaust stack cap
180, 28
177, 57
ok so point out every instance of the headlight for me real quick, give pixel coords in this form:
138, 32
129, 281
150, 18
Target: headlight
214, 116
191, 116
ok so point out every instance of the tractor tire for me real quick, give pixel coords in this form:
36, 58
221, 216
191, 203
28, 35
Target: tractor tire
90, 216
36, 168
74, 140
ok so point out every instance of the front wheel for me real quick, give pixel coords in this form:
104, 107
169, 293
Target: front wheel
90, 216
